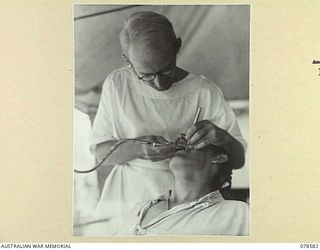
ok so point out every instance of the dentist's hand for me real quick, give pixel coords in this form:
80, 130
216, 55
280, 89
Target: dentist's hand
204, 133
157, 153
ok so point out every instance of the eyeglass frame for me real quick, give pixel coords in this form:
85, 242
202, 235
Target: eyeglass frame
143, 77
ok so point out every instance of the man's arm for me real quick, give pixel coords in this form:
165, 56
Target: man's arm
128, 151
117, 157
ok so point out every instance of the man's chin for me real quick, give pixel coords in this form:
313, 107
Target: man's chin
181, 154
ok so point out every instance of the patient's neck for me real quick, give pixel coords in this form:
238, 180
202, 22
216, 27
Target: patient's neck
189, 188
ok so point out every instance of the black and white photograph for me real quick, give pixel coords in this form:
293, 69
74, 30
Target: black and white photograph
161, 120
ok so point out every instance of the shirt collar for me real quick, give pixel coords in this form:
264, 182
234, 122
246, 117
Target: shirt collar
213, 197
207, 200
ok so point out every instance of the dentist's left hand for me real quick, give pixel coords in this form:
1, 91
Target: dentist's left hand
157, 153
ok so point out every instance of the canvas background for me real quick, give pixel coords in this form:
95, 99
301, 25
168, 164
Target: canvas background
36, 76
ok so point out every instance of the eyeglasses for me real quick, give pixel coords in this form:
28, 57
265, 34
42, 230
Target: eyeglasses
148, 77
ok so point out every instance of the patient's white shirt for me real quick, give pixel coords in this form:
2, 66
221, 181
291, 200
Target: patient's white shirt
209, 215
128, 108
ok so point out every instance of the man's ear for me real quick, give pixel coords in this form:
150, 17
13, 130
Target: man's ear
220, 158
178, 44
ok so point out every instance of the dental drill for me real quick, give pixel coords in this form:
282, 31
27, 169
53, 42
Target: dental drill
180, 144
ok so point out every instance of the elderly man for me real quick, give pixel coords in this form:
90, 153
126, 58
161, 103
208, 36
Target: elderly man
155, 100
195, 205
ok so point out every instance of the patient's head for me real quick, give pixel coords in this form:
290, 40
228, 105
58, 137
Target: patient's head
207, 165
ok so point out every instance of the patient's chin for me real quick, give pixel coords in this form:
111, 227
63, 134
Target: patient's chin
181, 153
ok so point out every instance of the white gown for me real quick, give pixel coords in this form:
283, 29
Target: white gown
128, 108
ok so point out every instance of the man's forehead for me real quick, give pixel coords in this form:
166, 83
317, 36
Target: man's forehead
150, 59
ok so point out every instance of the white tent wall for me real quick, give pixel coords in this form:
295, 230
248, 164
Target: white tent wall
215, 43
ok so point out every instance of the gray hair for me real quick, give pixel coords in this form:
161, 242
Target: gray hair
152, 30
